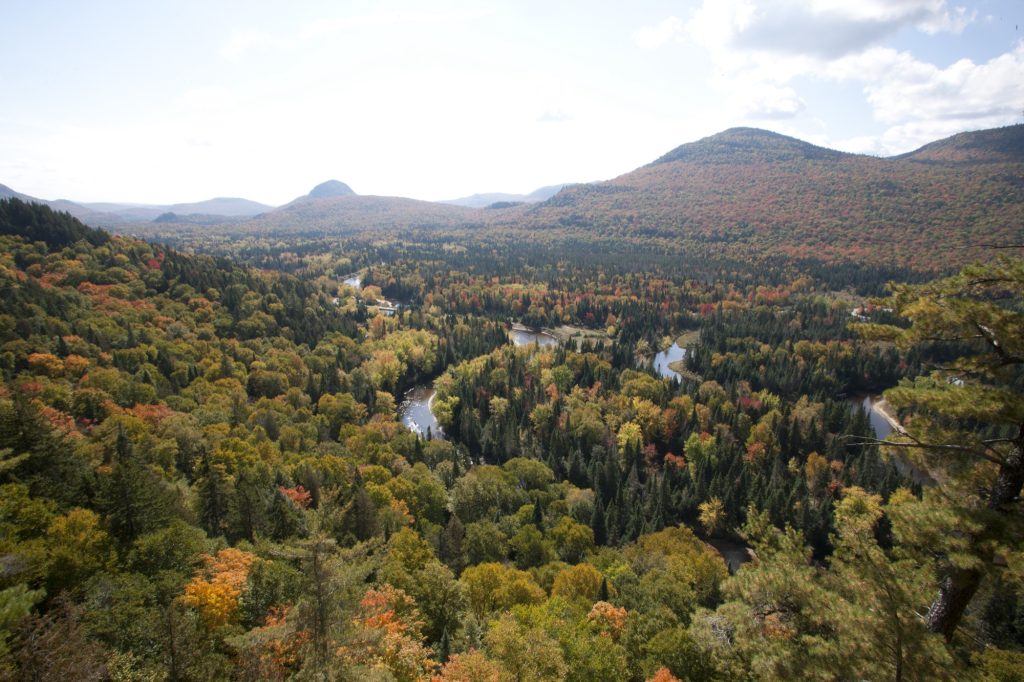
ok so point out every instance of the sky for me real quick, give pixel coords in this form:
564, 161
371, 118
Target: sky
164, 102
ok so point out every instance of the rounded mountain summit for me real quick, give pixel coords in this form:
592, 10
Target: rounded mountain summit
331, 188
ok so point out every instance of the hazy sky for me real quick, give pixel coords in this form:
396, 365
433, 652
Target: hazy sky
181, 101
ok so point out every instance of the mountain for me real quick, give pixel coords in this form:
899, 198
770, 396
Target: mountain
747, 191
742, 193
222, 206
487, 199
982, 146
544, 193
8, 193
77, 210
111, 214
333, 207
738, 146
350, 213
331, 188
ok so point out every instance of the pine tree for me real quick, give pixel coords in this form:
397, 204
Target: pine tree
133, 498
215, 493
967, 429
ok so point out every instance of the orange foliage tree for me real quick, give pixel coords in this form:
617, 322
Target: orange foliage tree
216, 588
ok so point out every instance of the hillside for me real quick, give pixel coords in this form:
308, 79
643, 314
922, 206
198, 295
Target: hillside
982, 146
745, 146
77, 210
349, 213
753, 191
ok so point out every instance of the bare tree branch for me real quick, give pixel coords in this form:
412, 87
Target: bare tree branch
928, 446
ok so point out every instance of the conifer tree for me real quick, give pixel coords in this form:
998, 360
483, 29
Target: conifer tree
967, 417
133, 498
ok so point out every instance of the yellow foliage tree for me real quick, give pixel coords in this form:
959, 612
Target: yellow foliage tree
215, 590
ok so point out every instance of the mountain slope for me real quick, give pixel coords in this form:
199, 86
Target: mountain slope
755, 192
77, 210
982, 146
353, 213
222, 206
746, 146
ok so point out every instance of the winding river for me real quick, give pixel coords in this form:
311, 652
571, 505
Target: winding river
415, 413
879, 423
662, 360
525, 337
871, 404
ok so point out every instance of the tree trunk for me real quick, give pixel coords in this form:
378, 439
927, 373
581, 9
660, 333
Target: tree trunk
1009, 482
957, 586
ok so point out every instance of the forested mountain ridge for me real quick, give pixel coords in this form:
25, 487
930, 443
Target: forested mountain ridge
345, 213
995, 145
743, 194
750, 190
747, 145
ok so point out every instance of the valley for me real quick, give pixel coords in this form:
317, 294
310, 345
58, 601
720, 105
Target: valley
381, 436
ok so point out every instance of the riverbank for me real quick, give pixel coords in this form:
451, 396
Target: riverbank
883, 409
564, 333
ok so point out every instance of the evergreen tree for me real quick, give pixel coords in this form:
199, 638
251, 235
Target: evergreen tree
215, 495
967, 429
133, 498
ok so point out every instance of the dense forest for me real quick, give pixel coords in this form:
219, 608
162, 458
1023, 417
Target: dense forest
205, 472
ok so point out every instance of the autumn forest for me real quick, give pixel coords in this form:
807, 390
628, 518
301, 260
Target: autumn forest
754, 411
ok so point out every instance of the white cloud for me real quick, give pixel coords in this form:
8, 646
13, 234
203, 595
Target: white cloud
760, 48
764, 101
964, 91
922, 102
653, 37
949, 22
819, 28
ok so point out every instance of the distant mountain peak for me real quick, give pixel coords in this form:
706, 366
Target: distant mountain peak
747, 145
331, 188
488, 200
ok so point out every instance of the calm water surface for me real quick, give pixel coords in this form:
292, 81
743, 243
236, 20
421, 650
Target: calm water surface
415, 412
882, 428
664, 358
521, 337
